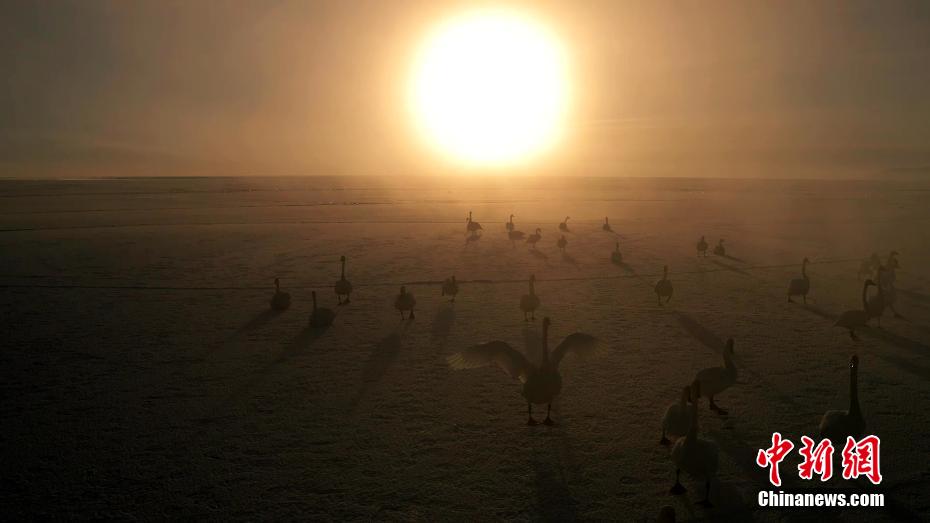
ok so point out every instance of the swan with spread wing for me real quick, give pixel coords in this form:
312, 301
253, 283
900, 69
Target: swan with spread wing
541, 383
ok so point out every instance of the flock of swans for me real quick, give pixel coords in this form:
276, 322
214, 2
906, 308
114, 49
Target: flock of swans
542, 382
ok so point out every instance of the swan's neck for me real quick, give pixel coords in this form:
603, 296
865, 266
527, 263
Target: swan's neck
545, 346
865, 302
343, 269
728, 362
665, 274
693, 429
804, 269
854, 392
314, 302
532, 289
684, 397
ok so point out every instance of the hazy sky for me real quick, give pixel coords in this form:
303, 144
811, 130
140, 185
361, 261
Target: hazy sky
780, 88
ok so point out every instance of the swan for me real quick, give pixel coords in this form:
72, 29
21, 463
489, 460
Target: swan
472, 227
541, 384
564, 225
886, 282
875, 305
534, 238
800, 286
281, 300
321, 317
856, 318
343, 287
514, 236
562, 243
664, 287
720, 250
836, 425
530, 302
715, 380
677, 418
606, 226
450, 288
616, 256
405, 302
509, 225
702, 246
695, 456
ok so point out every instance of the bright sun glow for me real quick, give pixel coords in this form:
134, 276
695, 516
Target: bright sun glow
490, 88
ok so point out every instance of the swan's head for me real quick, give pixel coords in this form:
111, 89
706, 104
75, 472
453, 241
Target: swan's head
276, 282
538, 231
806, 260
546, 322
869, 282
342, 259
511, 217
453, 278
854, 362
532, 278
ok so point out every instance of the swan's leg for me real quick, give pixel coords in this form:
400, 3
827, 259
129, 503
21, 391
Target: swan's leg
852, 334
677, 488
548, 420
668, 299
664, 440
533, 315
411, 314
347, 298
529, 410
706, 501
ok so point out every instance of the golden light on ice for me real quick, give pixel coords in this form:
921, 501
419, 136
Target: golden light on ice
490, 88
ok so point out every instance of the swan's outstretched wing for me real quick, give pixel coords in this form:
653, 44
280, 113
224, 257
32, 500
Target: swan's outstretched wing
495, 352
579, 343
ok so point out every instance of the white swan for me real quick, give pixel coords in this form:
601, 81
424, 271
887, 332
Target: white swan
720, 250
677, 419
800, 286
405, 302
509, 225
562, 243
616, 256
472, 226
836, 425
875, 305
856, 318
534, 238
343, 287
564, 225
702, 246
541, 384
664, 287
450, 287
715, 380
530, 302
321, 317
606, 226
696, 456
281, 300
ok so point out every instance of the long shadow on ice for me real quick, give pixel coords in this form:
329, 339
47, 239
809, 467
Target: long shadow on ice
442, 323
383, 355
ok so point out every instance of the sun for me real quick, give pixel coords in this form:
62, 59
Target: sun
489, 88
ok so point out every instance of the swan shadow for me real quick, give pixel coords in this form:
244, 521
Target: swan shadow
569, 259
383, 355
299, 344
813, 309
259, 320
554, 498
732, 258
625, 267
729, 267
538, 254
443, 322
